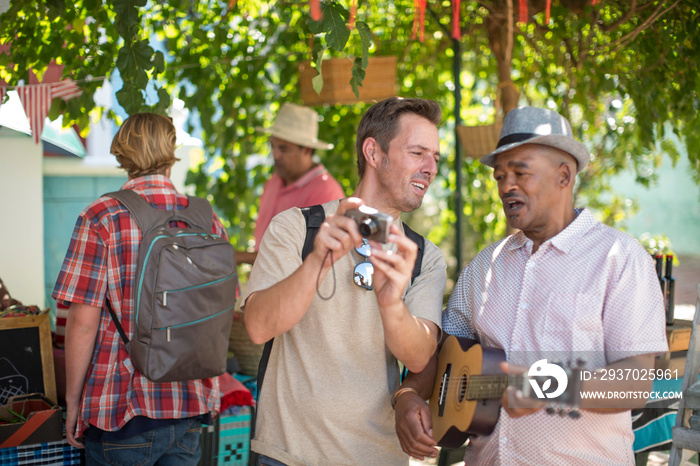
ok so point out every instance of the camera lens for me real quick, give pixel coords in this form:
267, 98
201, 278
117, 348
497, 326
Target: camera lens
368, 227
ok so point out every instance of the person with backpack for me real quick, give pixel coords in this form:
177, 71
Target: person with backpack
337, 321
121, 415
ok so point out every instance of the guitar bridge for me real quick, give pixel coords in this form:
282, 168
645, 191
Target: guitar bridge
444, 383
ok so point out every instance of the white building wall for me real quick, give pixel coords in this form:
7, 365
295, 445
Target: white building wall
22, 218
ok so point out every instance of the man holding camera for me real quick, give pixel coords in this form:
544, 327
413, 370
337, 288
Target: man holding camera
332, 367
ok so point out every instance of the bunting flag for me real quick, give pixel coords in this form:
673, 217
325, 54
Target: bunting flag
2, 94
547, 10
419, 21
315, 6
456, 30
523, 11
36, 100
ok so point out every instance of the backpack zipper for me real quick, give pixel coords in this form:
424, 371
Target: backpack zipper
148, 254
202, 285
167, 329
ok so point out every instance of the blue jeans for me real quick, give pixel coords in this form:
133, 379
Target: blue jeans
173, 445
267, 461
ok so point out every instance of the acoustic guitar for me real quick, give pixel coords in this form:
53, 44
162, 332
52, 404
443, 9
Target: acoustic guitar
468, 387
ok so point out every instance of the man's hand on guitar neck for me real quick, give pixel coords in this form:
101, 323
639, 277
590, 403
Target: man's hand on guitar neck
513, 401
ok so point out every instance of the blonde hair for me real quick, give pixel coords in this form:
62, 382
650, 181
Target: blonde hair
145, 144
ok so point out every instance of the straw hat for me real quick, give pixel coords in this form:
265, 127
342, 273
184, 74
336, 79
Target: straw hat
530, 125
297, 124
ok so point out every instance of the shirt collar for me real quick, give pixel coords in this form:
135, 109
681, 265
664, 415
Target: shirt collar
306, 178
149, 181
566, 239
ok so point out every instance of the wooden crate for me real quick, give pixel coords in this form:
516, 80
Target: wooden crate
379, 82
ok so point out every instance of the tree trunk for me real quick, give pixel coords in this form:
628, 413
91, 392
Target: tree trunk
500, 30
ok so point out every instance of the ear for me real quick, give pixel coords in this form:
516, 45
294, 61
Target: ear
567, 175
370, 150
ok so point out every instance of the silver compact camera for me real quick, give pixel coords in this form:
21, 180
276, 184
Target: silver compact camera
373, 224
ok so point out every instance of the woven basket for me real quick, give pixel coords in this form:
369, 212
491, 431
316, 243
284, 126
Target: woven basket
245, 351
478, 141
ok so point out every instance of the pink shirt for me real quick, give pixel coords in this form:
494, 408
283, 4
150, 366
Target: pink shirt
317, 186
592, 291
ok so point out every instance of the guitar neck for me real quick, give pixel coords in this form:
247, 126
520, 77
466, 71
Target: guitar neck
480, 387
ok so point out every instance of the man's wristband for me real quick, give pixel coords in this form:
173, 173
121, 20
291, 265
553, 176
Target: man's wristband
400, 392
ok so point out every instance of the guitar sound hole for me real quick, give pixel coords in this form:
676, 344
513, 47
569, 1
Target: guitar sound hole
462, 387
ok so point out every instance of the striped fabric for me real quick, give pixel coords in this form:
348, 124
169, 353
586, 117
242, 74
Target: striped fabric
36, 100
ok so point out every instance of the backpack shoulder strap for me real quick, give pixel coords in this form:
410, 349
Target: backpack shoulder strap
145, 214
198, 212
314, 216
420, 241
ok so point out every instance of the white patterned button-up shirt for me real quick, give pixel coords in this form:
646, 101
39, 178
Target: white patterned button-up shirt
591, 290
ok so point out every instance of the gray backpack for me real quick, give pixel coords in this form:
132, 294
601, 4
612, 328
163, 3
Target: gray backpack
185, 293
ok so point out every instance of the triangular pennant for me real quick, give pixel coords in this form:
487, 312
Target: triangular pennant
66, 90
36, 99
2, 94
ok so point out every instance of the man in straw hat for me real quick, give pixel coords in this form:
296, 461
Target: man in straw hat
563, 288
333, 338
299, 180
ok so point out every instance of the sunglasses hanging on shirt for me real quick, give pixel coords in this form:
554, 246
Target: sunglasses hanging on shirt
362, 275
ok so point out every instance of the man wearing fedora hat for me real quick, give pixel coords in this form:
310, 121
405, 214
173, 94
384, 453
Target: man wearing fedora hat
337, 322
299, 180
563, 287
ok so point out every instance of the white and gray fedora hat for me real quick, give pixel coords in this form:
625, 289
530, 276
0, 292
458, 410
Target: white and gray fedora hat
531, 125
297, 124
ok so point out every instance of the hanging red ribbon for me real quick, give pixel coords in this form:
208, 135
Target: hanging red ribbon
353, 13
419, 21
547, 9
315, 9
456, 30
523, 11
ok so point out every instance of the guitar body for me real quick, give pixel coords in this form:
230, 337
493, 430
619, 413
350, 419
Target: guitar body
454, 415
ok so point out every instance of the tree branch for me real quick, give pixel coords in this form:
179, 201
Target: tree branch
629, 37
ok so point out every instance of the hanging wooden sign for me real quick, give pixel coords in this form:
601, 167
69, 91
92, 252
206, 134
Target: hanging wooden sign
379, 82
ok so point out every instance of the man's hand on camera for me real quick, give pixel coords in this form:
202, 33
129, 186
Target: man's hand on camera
393, 267
338, 233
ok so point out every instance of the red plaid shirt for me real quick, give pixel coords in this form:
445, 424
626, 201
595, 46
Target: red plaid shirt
101, 261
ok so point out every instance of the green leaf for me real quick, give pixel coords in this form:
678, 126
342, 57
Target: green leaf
366, 41
133, 62
317, 81
130, 98
334, 22
127, 19
159, 62
358, 75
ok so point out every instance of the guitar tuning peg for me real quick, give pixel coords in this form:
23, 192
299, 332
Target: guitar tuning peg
550, 410
580, 363
574, 414
562, 412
